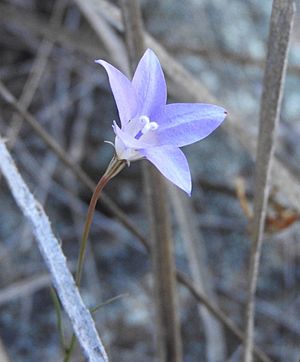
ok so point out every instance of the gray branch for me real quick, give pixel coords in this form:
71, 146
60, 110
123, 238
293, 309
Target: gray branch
279, 38
80, 317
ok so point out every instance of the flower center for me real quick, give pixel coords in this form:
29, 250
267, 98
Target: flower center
144, 126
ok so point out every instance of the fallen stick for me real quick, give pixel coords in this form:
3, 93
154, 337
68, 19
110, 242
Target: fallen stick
55, 260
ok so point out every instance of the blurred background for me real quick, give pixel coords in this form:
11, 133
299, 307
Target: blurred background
47, 62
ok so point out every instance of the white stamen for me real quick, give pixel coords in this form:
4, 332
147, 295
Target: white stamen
146, 128
151, 126
144, 120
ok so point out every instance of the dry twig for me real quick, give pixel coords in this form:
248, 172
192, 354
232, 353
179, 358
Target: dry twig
24, 287
168, 337
279, 38
36, 73
3, 354
55, 260
196, 255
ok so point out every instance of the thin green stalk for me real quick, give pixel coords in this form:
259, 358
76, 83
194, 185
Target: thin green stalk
108, 301
69, 349
113, 169
82, 251
57, 307
89, 218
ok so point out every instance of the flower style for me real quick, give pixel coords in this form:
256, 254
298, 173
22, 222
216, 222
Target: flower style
152, 129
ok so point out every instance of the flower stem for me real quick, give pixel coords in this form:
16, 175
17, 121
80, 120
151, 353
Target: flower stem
58, 311
113, 169
89, 218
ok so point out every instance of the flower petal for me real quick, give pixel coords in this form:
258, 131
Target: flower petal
150, 85
123, 92
185, 123
172, 163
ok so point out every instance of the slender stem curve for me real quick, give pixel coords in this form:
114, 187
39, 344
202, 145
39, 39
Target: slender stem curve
113, 169
89, 218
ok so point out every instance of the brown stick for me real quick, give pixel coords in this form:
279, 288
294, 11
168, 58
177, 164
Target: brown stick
168, 338
168, 329
195, 250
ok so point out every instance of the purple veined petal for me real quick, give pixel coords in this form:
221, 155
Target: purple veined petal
185, 123
172, 163
150, 85
123, 92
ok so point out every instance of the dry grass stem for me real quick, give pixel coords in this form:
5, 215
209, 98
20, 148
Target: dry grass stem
196, 255
168, 337
279, 38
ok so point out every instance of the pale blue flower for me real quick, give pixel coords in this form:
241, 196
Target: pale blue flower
152, 129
